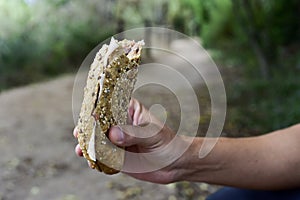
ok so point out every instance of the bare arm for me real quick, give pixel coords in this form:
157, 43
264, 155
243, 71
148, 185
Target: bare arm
267, 162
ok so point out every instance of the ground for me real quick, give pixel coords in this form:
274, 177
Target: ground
37, 150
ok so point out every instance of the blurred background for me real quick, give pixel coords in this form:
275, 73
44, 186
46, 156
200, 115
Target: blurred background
43, 43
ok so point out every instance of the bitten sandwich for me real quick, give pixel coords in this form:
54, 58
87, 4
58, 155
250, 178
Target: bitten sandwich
107, 93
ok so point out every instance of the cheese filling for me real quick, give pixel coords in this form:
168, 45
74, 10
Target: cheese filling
92, 145
91, 150
113, 45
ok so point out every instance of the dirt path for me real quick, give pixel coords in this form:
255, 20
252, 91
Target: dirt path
37, 159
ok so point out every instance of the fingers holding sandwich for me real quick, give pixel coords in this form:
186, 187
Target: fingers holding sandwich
137, 114
75, 132
146, 131
78, 151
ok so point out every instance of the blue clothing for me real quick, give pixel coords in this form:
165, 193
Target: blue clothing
229, 193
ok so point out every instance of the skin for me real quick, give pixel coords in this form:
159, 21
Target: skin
268, 162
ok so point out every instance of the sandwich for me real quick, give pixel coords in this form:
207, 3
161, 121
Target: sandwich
107, 93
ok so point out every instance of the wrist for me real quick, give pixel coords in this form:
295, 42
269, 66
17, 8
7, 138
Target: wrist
184, 167
190, 167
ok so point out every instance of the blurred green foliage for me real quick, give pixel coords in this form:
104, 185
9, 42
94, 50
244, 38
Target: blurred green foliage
259, 106
256, 42
262, 37
46, 38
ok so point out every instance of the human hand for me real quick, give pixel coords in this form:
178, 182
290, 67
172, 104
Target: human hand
151, 147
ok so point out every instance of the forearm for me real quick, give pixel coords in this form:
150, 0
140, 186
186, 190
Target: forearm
271, 161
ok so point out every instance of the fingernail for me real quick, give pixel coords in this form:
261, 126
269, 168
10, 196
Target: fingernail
119, 135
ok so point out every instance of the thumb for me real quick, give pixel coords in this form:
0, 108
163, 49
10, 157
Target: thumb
127, 135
